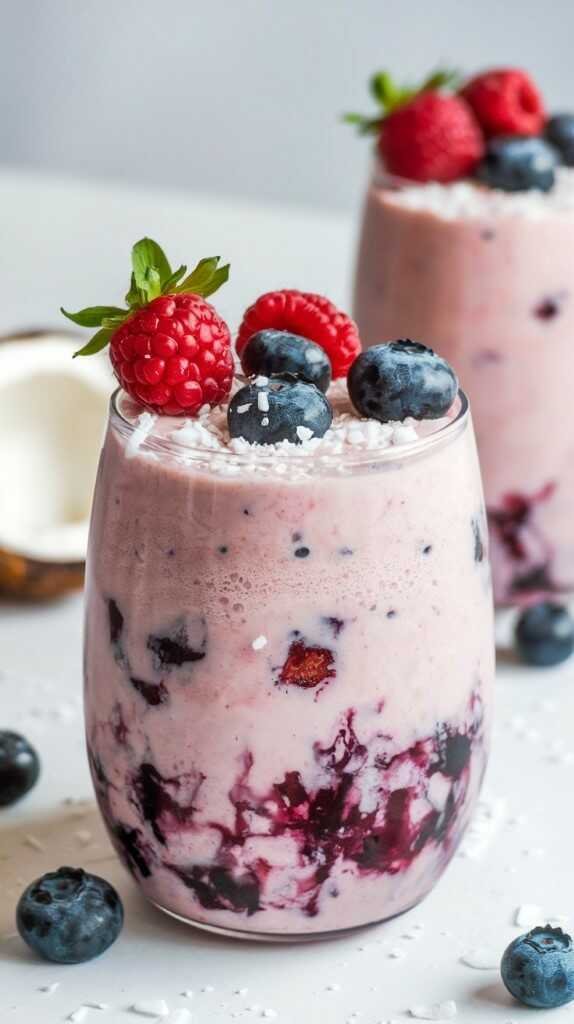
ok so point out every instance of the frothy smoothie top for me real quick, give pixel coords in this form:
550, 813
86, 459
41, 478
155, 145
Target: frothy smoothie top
467, 199
207, 436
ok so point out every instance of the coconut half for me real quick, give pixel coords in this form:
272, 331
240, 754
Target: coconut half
52, 416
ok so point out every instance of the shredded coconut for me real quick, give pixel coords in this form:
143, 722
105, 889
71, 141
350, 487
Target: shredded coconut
482, 959
151, 1008
259, 643
463, 199
438, 1011
143, 428
205, 442
34, 844
528, 915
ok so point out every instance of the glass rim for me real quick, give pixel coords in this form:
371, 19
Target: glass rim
354, 457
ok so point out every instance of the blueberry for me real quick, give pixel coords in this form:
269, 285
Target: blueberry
516, 164
281, 409
545, 634
19, 767
268, 352
68, 916
400, 379
538, 968
560, 133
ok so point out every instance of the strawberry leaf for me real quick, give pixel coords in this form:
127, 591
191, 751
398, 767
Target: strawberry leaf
365, 125
220, 277
445, 78
153, 283
148, 255
94, 316
173, 280
391, 96
95, 344
383, 89
134, 297
206, 278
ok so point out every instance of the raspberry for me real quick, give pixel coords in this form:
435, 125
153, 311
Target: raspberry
174, 356
311, 316
169, 349
307, 666
506, 102
433, 137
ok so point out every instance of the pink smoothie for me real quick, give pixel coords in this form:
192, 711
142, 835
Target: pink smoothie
289, 661
487, 279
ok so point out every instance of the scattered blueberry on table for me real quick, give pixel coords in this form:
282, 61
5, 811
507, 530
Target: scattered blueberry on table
279, 408
401, 379
544, 634
19, 767
538, 968
68, 916
270, 351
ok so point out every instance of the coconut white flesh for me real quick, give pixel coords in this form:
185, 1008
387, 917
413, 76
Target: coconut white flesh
53, 411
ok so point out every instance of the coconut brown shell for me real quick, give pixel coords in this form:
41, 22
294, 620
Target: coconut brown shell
31, 579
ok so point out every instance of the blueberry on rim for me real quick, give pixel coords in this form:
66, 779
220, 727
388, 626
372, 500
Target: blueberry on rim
401, 379
269, 352
560, 134
517, 164
279, 408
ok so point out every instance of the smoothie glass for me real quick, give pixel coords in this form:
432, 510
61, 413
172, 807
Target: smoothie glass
288, 673
487, 280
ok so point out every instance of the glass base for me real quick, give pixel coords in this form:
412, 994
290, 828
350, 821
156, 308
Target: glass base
276, 937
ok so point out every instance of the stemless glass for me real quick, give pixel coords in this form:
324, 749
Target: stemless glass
289, 666
493, 292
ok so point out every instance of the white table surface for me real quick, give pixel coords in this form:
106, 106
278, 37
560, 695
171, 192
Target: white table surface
67, 243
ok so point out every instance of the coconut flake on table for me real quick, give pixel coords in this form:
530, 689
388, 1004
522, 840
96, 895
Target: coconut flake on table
528, 915
482, 959
465, 199
150, 1008
437, 1011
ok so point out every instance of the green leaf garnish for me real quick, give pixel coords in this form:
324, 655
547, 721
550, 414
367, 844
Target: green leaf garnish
206, 277
151, 277
93, 316
172, 281
147, 254
390, 96
95, 344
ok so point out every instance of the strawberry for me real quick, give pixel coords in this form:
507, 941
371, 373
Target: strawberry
308, 315
425, 134
506, 102
169, 348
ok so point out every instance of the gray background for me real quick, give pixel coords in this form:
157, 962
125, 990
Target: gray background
241, 97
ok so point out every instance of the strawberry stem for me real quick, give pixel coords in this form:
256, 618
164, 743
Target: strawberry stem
151, 277
390, 96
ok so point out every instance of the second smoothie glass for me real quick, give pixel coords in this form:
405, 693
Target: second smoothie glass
493, 292
289, 666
